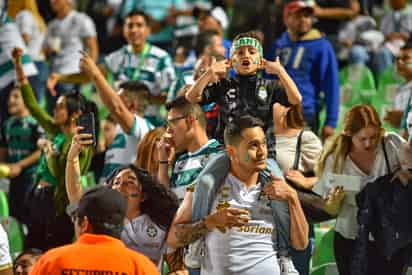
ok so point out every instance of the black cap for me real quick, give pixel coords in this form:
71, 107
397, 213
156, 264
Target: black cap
102, 205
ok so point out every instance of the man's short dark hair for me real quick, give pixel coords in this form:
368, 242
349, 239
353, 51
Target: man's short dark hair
137, 89
408, 45
141, 13
180, 103
203, 40
234, 129
135, 86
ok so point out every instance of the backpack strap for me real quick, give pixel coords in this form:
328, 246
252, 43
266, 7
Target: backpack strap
385, 153
298, 151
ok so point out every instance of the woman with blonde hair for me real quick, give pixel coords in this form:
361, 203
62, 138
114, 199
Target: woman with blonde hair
33, 30
147, 156
360, 154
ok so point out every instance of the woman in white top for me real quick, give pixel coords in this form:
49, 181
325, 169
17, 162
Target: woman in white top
289, 131
359, 154
151, 206
33, 30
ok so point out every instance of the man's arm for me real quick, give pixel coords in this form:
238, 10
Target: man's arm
78, 78
299, 228
329, 83
18, 167
7, 271
292, 92
110, 98
215, 72
166, 152
183, 231
183, 216
92, 48
338, 13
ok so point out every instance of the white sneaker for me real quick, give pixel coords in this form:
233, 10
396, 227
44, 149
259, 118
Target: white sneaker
286, 266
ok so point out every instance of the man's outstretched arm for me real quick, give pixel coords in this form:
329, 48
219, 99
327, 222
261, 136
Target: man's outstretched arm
110, 98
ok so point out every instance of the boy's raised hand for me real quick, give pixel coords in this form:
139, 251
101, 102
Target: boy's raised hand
219, 69
272, 67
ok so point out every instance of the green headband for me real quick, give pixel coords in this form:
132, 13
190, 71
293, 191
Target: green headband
246, 41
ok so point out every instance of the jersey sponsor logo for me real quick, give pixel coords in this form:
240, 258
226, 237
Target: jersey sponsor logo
262, 93
256, 229
231, 94
151, 231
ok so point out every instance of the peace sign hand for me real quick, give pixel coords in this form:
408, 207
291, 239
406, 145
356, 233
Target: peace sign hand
273, 67
219, 69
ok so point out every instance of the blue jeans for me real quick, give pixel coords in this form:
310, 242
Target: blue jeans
383, 60
359, 55
40, 80
194, 271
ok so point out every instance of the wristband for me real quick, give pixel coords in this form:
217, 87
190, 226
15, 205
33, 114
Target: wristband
163, 162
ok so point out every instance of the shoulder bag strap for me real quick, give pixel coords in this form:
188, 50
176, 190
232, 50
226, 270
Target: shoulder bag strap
298, 149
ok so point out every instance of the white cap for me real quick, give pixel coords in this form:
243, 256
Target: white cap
220, 15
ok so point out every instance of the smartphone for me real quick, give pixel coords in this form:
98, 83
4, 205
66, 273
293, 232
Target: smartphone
88, 123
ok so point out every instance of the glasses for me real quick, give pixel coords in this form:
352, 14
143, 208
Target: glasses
173, 121
403, 58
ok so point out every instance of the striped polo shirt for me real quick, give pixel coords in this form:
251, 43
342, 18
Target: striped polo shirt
188, 166
10, 38
156, 71
123, 149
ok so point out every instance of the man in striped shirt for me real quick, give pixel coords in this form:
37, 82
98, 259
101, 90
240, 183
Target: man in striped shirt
186, 134
138, 60
126, 107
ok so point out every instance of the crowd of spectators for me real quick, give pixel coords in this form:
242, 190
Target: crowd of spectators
205, 136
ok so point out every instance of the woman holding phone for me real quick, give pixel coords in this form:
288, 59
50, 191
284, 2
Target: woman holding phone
51, 227
363, 151
151, 206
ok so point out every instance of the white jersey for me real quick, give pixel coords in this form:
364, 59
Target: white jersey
27, 24
123, 149
144, 236
5, 259
9, 39
67, 36
247, 250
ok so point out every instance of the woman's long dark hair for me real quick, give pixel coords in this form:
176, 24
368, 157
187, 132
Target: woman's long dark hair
160, 203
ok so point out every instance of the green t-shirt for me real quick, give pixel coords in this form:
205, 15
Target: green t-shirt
19, 136
53, 170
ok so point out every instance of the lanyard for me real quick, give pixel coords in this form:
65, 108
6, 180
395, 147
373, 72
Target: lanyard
137, 70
